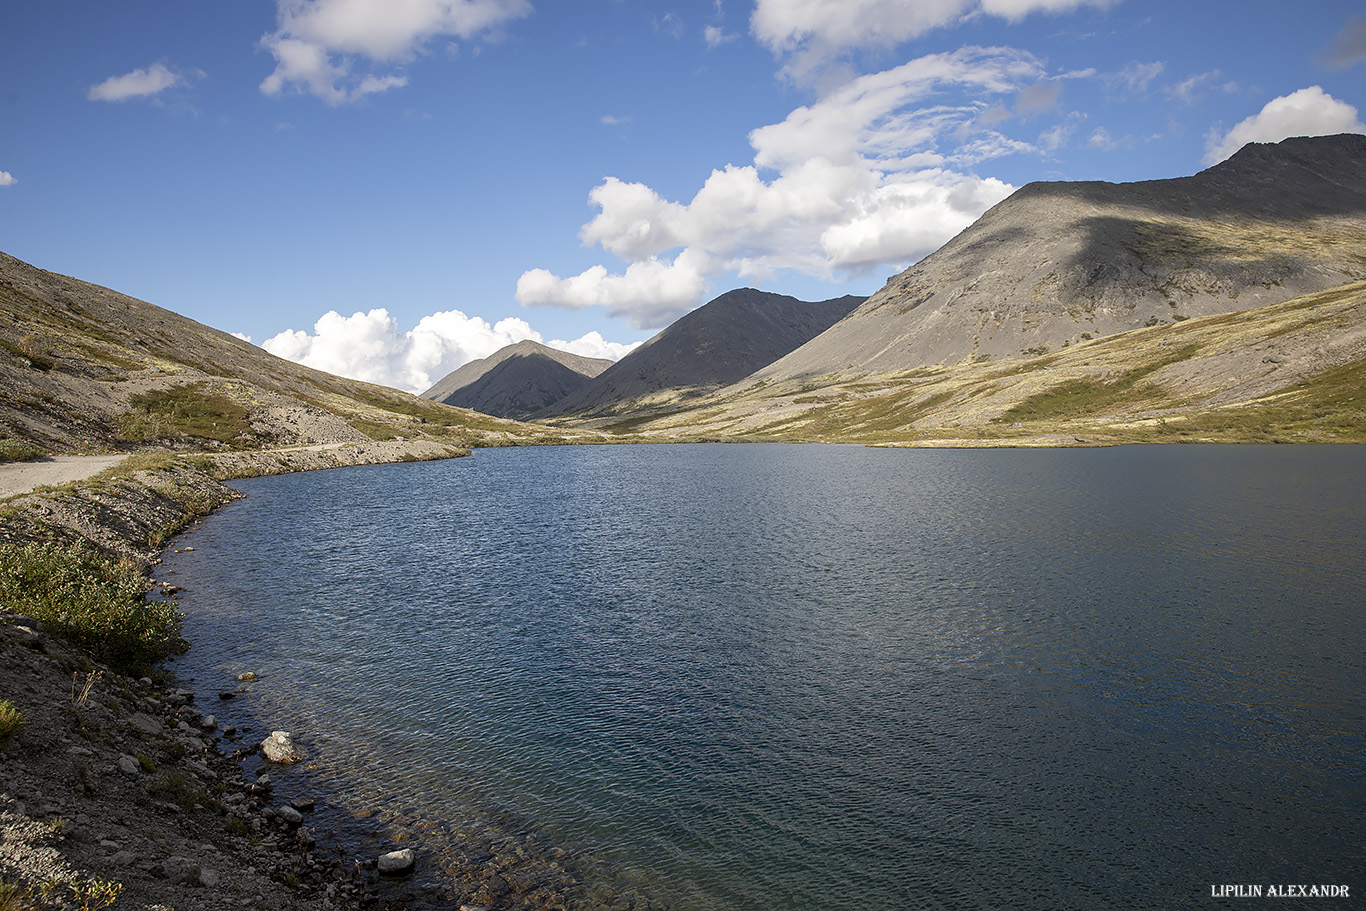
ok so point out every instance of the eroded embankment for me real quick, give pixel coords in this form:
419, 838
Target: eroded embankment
117, 788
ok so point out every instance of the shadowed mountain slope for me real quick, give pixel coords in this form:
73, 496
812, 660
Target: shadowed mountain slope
83, 367
1057, 263
517, 380
720, 342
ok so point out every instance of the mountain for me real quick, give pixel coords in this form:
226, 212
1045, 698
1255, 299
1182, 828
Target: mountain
1293, 371
1057, 263
719, 343
517, 380
83, 367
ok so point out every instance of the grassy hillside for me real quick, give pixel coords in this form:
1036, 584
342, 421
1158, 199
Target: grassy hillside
1294, 371
84, 368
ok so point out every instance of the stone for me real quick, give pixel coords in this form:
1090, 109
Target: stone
181, 870
303, 804
208, 878
129, 765
247, 675
123, 859
208, 722
396, 863
145, 723
280, 747
264, 783
289, 816
227, 694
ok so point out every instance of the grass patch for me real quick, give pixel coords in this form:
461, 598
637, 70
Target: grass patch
1087, 397
11, 719
18, 451
92, 601
183, 412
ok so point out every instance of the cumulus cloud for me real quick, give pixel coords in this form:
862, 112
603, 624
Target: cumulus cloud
854, 181
594, 345
809, 34
318, 43
1308, 112
140, 83
371, 347
7, 179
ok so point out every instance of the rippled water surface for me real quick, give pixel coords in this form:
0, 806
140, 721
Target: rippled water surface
734, 677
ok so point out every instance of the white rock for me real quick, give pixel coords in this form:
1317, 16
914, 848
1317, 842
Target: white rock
280, 747
129, 765
397, 861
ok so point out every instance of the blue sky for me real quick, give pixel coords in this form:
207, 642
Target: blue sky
390, 188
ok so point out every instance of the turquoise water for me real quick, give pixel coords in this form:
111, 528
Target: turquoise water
739, 677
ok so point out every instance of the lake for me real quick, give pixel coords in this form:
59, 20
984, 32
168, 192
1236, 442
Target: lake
743, 677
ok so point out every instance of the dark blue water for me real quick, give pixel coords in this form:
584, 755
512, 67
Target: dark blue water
731, 677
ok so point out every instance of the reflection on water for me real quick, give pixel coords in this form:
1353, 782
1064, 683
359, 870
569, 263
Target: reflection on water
754, 677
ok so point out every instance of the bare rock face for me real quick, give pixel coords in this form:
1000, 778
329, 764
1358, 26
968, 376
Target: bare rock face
280, 747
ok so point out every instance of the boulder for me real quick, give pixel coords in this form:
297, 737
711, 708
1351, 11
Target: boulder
398, 862
145, 723
280, 747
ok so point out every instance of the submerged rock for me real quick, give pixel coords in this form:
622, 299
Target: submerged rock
280, 747
397, 862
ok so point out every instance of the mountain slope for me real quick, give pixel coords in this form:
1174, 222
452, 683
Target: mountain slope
516, 380
86, 368
1293, 371
720, 342
1056, 263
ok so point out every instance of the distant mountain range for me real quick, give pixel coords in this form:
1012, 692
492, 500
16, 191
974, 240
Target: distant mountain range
516, 381
1230, 305
1057, 263
719, 343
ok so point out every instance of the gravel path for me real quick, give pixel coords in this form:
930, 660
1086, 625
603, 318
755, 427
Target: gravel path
21, 477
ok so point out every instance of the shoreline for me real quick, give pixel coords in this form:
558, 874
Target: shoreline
126, 785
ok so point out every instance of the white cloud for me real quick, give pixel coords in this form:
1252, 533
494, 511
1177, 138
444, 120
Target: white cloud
1103, 140
370, 346
716, 36
318, 42
594, 345
651, 293
242, 335
1136, 77
140, 83
1190, 90
1308, 112
812, 33
7, 179
852, 182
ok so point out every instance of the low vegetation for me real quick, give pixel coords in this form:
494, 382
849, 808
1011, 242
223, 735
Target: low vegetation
18, 451
11, 719
94, 602
183, 413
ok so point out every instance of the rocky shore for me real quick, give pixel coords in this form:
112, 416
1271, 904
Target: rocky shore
126, 793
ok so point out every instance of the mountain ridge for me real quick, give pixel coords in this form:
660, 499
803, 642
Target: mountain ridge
723, 341
1057, 262
517, 380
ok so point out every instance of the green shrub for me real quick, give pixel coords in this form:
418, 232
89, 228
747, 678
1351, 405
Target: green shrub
18, 451
10, 718
93, 601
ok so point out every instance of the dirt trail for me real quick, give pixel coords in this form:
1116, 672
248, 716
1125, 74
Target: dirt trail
22, 477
